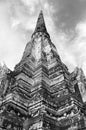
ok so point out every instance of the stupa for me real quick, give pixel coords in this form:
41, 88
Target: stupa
41, 94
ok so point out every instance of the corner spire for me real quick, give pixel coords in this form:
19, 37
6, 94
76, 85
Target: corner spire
40, 26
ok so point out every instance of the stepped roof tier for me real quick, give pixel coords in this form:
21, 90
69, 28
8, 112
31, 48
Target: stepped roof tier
41, 93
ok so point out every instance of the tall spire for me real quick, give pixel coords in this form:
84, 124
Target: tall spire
40, 26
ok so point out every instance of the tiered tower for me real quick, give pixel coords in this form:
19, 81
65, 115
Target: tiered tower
40, 93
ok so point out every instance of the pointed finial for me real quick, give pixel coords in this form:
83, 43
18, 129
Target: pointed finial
40, 26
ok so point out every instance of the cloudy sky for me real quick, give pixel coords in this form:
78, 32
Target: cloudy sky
65, 21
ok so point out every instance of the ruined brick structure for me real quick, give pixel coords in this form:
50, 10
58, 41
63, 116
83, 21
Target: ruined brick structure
41, 94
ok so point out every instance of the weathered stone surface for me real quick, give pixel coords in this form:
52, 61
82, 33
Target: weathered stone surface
41, 93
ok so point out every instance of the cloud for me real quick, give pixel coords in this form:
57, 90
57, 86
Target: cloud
73, 51
22, 15
11, 42
78, 48
31, 4
17, 23
68, 13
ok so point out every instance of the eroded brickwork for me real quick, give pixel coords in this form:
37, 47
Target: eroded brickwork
41, 94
